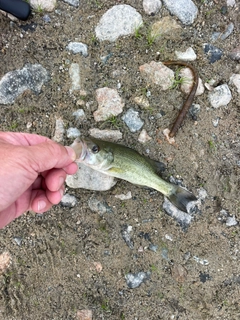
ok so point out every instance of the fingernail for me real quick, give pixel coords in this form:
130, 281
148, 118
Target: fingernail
41, 205
71, 153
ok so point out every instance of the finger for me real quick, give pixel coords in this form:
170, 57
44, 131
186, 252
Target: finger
40, 202
37, 184
72, 168
55, 179
48, 155
56, 196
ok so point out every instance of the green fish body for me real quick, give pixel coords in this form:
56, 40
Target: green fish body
125, 163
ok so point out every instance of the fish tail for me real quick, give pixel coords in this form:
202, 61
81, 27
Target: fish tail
181, 197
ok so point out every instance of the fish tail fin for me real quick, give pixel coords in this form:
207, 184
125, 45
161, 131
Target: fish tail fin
181, 197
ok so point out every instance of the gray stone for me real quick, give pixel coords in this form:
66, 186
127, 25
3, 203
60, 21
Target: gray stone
59, 130
74, 3
30, 77
133, 120
235, 53
79, 115
235, 79
151, 7
127, 236
69, 200
220, 96
134, 280
120, 20
185, 10
78, 47
74, 72
214, 53
108, 135
98, 206
73, 133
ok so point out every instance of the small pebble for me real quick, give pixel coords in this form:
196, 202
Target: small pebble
214, 53
68, 200
127, 237
133, 120
134, 280
73, 133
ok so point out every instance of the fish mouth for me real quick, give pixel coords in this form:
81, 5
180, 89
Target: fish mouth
80, 148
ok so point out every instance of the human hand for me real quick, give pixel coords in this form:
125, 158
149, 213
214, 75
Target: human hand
33, 169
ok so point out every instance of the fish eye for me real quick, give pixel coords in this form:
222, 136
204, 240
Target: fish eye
95, 149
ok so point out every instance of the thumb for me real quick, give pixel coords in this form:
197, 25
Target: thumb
47, 155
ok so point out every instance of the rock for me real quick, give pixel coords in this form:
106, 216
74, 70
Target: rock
84, 315
98, 206
90, 179
124, 196
108, 135
179, 273
144, 137
151, 7
185, 10
142, 102
133, 120
214, 53
153, 247
30, 77
231, 3
74, 3
235, 53
120, 20
223, 35
109, 104
220, 96
18, 240
204, 262
134, 280
231, 221
74, 72
187, 84
79, 115
78, 47
73, 133
68, 200
5, 261
157, 73
194, 110
59, 130
165, 26
126, 236
183, 218
45, 5
235, 79
46, 18
188, 55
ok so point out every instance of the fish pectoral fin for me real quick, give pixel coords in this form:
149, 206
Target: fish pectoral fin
158, 166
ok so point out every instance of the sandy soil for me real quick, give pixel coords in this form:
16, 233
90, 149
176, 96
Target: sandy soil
54, 269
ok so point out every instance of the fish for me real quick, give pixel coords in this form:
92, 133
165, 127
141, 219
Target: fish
125, 163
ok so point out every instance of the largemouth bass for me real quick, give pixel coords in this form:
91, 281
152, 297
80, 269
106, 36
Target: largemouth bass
125, 163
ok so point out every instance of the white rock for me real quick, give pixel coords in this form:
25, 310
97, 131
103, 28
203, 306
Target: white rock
109, 104
133, 120
188, 55
68, 200
185, 10
59, 130
45, 5
120, 20
157, 73
235, 79
231, 221
144, 137
73, 133
231, 3
151, 7
78, 47
108, 135
220, 96
124, 196
74, 72
186, 85
79, 115
90, 179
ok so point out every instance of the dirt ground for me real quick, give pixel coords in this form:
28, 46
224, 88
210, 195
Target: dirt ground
54, 270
